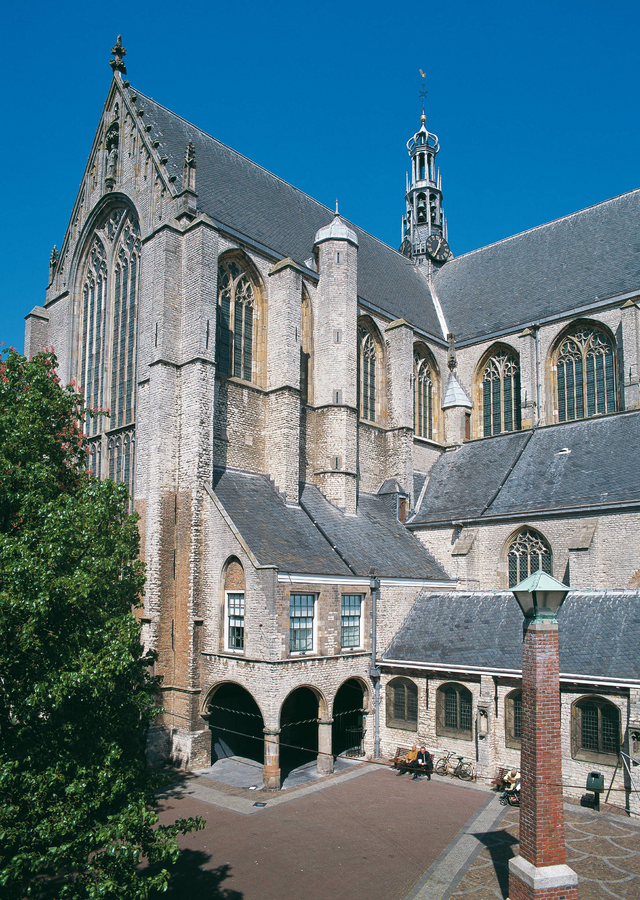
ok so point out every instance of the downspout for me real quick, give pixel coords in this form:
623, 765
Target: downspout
374, 671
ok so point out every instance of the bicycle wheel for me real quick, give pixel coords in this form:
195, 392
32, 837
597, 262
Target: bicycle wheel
466, 772
442, 767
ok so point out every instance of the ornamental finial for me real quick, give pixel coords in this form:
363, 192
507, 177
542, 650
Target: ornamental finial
452, 360
423, 94
118, 51
189, 168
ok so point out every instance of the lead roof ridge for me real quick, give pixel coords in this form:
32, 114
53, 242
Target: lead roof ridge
272, 174
519, 234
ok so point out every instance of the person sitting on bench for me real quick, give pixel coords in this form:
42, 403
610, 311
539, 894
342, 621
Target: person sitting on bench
423, 764
408, 761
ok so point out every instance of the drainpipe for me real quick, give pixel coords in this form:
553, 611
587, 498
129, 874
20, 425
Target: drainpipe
374, 671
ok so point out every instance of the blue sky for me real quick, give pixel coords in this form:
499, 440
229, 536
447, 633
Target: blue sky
536, 107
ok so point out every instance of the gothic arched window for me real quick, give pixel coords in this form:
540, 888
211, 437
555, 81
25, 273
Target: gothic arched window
501, 393
528, 552
595, 730
402, 704
367, 375
423, 396
236, 308
585, 372
513, 719
454, 706
107, 343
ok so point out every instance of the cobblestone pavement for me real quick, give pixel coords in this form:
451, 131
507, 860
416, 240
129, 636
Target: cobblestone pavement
604, 849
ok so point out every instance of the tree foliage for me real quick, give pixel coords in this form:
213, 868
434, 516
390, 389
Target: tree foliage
76, 692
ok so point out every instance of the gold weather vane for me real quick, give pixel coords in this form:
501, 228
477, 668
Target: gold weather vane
423, 92
119, 52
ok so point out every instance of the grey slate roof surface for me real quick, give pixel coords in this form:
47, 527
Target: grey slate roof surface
244, 196
287, 537
373, 538
599, 632
594, 253
601, 468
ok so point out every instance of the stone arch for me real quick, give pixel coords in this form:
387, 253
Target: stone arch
372, 372
595, 729
582, 368
241, 319
235, 720
426, 393
524, 552
497, 391
348, 713
301, 713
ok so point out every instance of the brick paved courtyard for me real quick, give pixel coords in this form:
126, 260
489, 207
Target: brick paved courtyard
368, 834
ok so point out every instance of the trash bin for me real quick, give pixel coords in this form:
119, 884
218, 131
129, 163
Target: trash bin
595, 783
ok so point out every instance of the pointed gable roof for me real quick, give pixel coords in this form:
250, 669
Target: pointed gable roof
246, 198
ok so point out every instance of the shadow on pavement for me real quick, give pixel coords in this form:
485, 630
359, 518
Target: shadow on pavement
190, 881
499, 844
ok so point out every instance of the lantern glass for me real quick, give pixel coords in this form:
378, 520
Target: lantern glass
540, 595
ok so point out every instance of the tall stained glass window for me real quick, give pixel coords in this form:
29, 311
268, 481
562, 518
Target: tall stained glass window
236, 313
501, 393
585, 372
423, 396
367, 375
527, 553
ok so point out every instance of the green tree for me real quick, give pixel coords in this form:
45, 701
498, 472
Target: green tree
76, 693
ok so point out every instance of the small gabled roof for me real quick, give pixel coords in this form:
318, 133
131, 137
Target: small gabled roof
599, 632
316, 538
242, 195
554, 268
588, 463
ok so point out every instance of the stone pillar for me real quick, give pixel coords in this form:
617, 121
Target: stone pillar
528, 378
484, 726
36, 331
540, 872
631, 354
325, 755
271, 768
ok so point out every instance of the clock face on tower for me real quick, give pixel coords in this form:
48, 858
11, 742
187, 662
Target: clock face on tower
437, 248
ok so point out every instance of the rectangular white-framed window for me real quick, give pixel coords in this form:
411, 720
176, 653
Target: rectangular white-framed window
301, 622
234, 624
350, 616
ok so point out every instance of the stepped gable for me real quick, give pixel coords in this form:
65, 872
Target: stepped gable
277, 534
239, 194
373, 538
554, 268
599, 632
590, 462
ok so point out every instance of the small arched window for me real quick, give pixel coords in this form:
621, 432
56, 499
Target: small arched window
422, 209
595, 730
528, 552
402, 704
236, 308
585, 374
501, 393
367, 375
234, 607
454, 706
423, 396
513, 719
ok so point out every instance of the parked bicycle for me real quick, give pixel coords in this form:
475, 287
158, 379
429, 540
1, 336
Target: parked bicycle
460, 769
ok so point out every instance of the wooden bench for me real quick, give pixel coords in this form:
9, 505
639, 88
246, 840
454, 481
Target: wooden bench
400, 753
498, 781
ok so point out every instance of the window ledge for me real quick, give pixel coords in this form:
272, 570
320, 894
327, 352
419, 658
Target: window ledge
455, 733
595, 756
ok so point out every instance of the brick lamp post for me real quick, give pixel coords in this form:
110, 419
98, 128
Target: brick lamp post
540, 872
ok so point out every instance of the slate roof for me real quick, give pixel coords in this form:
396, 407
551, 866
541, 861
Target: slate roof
289, 538
591, 462
242, 195
570, 262
599, 632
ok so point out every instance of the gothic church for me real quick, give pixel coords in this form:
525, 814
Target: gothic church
343, 455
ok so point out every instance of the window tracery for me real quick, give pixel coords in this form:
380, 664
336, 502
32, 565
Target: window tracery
236, 307
367, 375
501, 393
585, 372
423, 396
528, 552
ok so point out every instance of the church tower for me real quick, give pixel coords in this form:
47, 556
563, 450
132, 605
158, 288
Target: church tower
424, 227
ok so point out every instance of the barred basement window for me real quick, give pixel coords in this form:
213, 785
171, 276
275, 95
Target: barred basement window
367, 376
301, 613
595, 730
236, 306
513, 719
423, 391
585, 372
402, 704
454, 704
528, 552
501, 393
350, 621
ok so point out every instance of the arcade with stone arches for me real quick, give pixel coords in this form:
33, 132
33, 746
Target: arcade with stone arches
308, 727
